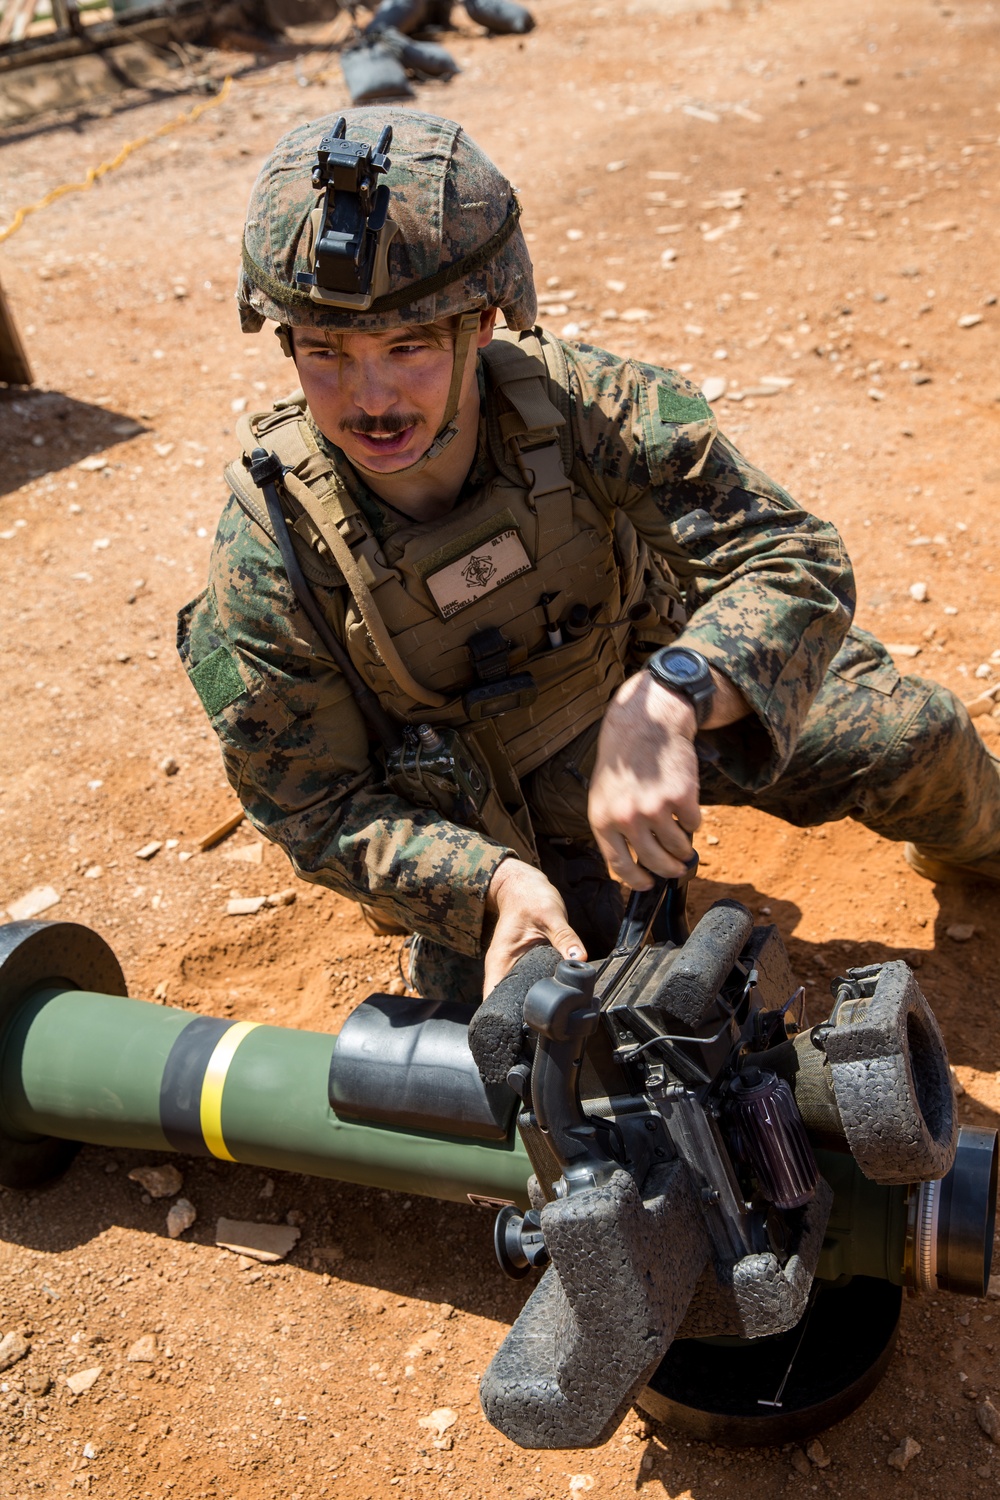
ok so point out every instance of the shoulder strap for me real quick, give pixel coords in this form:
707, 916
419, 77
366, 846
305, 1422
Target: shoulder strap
531, 431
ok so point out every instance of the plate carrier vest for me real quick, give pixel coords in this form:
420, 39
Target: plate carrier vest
439, 609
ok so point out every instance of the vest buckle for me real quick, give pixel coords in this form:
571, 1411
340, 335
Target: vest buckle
498, 691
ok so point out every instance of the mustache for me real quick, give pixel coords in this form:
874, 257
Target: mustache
387, 425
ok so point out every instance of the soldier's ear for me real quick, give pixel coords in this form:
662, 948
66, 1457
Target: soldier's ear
487, 323
284, 336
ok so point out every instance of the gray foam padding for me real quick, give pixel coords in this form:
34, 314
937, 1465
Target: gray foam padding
757, 1295
892, 1083
425, 59
496, 1030
624, 1266
691, 984
766, 953
505, 17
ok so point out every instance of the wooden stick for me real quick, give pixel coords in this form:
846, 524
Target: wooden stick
217, 834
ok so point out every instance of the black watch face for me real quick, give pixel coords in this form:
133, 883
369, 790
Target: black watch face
683, 667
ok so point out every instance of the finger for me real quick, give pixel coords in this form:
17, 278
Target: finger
669, 834
651, 853
618, 858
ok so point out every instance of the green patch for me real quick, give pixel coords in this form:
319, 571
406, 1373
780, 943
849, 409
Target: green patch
217, 681
675, 407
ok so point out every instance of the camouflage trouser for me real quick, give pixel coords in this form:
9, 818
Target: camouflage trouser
899, 754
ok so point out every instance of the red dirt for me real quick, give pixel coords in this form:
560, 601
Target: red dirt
865, 138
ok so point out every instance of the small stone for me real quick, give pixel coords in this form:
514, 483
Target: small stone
900, 1458
711, 838
266, 1242
574, 234
983, 672
959, 1091
90, 1450
800, 1463
245, 854
395, 987
163, 450
282, 898
163, 1181
169, 766
714, 387
94, 873
148, 850
238, 405
960, 932
83, 1379
989, 1420
969, 320
244, 906
33, 903
93, 464
37, 1383
581, 1483
817, 1454
636, 315
267, 1190
616, 286
143, 1351
918, 592
668, 256
13, 1346
894, 649
615, 166
438, 1421
181, 1216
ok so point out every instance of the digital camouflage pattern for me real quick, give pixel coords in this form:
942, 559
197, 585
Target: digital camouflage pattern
833, 730
448, 200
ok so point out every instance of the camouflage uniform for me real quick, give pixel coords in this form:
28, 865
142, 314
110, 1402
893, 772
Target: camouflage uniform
832, 732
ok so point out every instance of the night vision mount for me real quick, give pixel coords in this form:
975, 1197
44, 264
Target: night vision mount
352, 230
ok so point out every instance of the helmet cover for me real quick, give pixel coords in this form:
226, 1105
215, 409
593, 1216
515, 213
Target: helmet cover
458, 245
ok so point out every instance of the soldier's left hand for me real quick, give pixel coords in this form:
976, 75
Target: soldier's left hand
643, 803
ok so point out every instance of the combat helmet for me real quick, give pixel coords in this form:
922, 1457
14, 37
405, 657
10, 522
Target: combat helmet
378, 218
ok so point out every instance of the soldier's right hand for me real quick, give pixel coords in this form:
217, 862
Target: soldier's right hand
529, 910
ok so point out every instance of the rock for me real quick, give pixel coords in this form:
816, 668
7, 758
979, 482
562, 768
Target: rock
897, 650
580, 1483
668, 256
983, 672
245, 854
918, 592
615, 166
143, 1351
616, 286
181, 1216
83, 1379
800, 1463
266, 1242
969, 320
989, 1420
164, 1181
92, 464
169, 766
244, 906
282, 898
163, 450
817, 1454
395, 987
636, 315
267, 1190
90, 1450
94, 873
959, 1088
900, 1458
33, 903
713, 387
13, 1346
960, 932
438, 1422
37, 1383
148, 850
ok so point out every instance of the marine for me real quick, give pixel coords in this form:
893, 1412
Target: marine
491, 615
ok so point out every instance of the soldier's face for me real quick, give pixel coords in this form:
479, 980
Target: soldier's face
380, 396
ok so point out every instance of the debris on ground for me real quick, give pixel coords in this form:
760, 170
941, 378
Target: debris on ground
266, 1242
158, 1182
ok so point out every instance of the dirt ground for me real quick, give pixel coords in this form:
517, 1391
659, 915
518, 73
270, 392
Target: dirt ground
827, 176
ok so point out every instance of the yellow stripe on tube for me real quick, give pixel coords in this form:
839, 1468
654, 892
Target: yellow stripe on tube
215, 1082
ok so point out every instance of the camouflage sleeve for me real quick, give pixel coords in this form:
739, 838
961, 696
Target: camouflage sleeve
296, 752
769, 587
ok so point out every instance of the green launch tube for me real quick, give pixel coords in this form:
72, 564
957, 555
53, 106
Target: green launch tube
112, 1071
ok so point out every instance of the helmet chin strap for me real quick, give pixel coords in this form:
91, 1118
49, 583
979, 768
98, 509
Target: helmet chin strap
468, 328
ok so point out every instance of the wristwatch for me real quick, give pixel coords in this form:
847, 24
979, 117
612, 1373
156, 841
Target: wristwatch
687, 672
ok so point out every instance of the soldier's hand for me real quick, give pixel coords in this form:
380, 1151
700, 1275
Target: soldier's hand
529, 910
643, 803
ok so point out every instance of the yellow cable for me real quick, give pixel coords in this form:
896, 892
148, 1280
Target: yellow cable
93, 173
